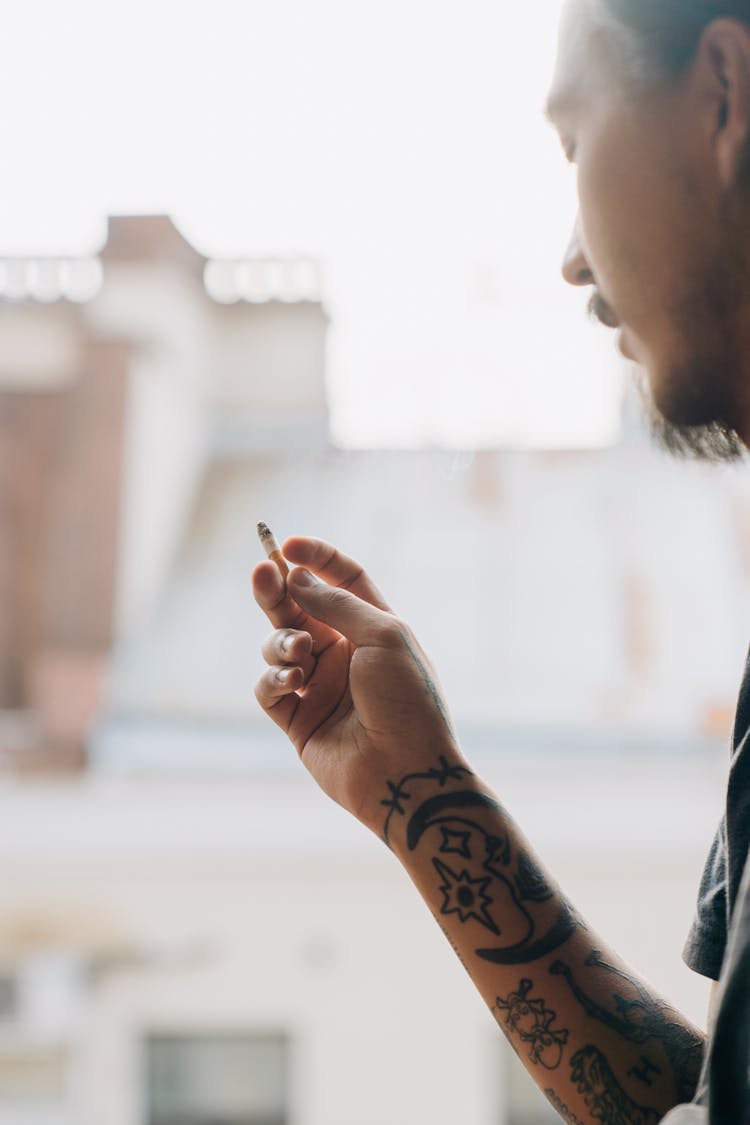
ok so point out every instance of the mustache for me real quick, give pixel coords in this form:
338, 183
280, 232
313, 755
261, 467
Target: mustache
598, 309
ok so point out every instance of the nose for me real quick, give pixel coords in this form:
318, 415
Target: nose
575, 268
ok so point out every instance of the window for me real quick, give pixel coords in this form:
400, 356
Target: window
221, 1079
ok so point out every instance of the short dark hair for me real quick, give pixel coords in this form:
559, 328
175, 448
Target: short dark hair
667, 32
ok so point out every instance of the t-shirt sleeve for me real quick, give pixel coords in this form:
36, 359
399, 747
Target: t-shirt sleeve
704, 948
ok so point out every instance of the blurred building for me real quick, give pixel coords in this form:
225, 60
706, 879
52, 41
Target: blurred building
189, 933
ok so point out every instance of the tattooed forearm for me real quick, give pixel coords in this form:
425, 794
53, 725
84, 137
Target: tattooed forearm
531, 1021
562, 1109
399, 795
642, 1020
483, 879
644, 1071
603, 1094
453, 946
523, 952
491, 886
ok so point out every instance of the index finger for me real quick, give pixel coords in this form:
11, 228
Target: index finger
335, 568
283, 612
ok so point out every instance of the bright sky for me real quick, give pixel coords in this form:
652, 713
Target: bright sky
401, 142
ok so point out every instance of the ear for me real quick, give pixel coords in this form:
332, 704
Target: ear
724, 57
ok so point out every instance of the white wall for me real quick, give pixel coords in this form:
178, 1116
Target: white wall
259, 905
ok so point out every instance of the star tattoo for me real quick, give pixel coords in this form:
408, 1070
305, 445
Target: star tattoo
456, 842
447, 772
398, 794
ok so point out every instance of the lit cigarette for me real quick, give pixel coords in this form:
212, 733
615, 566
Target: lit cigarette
271, 547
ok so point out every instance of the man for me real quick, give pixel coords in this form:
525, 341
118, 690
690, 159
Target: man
652, 102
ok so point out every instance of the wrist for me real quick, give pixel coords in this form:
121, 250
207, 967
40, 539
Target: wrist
420, 793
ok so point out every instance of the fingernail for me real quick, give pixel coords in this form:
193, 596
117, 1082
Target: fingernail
283, 675
304, 578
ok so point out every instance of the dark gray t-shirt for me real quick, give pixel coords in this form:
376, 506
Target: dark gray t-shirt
718, 946
707, 940
723, 1096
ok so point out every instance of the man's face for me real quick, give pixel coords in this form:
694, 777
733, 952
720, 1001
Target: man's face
653, 233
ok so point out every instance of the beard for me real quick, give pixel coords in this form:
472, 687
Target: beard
690, 413
690, 424
693, 430
698, 407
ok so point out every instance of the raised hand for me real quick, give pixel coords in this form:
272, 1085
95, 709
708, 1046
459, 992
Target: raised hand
347, 681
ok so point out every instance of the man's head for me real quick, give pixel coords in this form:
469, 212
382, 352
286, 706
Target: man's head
652, 102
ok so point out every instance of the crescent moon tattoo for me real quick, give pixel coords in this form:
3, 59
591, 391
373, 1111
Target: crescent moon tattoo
495, 887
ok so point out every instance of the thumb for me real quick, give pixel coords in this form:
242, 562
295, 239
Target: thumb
357, 620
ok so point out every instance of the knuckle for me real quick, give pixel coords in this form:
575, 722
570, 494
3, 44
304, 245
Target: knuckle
338, 598
300, 618
327, 553
352, 579
394, 632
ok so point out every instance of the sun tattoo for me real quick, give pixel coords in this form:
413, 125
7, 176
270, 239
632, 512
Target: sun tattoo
465, 896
